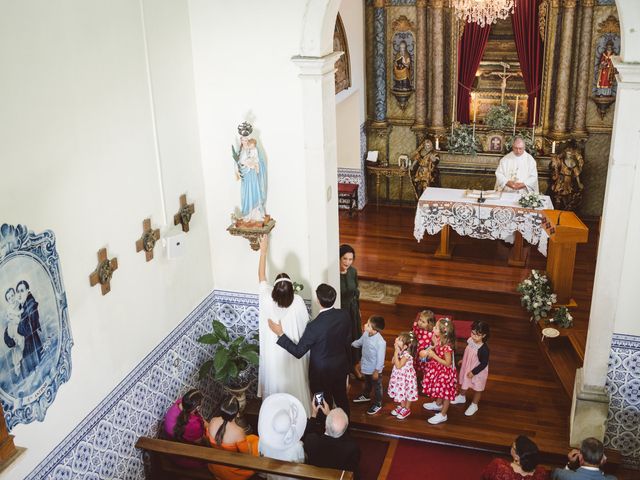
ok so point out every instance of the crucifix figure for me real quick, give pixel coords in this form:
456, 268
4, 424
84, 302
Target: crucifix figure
504, 76
104, 271
148, 239
183, 217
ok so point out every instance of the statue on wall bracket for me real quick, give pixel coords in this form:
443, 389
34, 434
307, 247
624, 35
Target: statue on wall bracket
36, 339
251, 221
607, 46
403, 44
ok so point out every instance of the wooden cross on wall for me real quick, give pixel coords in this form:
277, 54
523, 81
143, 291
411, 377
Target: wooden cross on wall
104, 271
183, 217
148, 239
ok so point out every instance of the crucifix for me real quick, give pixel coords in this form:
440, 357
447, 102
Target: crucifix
504, 76
148, 239
183, 217
104, 271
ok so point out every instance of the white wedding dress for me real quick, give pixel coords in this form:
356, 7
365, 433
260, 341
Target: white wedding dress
279, 371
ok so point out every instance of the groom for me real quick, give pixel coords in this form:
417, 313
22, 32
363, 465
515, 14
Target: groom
329, 339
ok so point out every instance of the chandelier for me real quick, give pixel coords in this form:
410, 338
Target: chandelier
483, 12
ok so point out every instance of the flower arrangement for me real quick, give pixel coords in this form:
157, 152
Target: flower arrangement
499, 117
537, 295
561, 318
530, 200
297, 287
529, 144
462, 140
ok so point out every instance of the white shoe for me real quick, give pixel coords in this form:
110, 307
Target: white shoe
437, 418
459, 399
473, 408
432, 406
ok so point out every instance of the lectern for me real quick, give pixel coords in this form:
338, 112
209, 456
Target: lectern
565, 231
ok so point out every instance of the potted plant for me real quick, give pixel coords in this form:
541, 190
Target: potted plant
231, 361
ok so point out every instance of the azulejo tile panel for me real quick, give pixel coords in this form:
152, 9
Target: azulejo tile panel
353, 175
623, 384
102, 445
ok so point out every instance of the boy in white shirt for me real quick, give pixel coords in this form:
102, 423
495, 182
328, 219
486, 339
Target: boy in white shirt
373, 349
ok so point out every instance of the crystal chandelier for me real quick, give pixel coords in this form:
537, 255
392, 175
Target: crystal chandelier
483, 12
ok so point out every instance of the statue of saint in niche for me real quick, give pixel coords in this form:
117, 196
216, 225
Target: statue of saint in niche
402, 66
606, 71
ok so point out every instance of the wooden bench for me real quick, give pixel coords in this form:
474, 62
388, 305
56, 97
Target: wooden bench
348, 196
159, 465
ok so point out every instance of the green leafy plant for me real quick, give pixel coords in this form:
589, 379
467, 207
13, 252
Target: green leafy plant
232, 357
462, 140
527, 136
561, 318
537, 294
499, 117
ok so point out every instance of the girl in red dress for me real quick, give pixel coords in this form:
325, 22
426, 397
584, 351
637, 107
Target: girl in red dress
423, 332
440, 379
403, 385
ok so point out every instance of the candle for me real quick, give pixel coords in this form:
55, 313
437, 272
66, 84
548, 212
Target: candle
475, 107
515, 117
553, 147
437, 143
533, 129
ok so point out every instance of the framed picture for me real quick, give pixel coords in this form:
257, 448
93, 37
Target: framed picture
35, 350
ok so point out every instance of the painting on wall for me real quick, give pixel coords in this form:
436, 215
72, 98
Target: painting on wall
35, 350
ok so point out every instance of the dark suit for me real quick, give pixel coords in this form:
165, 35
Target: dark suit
580, 474
323, 451
329, 339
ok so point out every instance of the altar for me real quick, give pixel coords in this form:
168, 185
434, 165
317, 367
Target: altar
499, 218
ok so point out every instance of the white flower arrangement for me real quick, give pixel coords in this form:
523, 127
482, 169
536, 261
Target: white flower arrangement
561, 318
297, 287
530, 200
537, 295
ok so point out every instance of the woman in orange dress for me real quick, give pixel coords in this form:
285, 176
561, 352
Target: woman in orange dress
225, 434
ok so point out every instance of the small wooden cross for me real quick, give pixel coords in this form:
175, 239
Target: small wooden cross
104, 271
148, 239
183, 217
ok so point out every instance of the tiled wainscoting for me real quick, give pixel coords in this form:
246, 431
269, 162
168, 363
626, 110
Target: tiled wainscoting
102, 445
623, 383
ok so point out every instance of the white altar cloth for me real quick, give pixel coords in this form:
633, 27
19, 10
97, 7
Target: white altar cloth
495, 219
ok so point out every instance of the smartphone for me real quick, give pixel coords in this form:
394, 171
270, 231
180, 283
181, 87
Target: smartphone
318, 398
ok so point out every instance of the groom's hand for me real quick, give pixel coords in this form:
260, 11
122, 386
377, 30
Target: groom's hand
275, 327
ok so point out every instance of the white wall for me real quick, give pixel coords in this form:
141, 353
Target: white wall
350, 103
81, 156
247, 74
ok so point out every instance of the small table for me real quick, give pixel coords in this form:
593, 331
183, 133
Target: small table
388, 172
348, 195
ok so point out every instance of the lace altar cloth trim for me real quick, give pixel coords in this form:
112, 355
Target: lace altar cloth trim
481, 221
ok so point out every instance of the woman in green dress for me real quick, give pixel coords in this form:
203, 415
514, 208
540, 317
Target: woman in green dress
350, 300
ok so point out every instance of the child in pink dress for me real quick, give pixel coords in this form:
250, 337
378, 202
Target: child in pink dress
423, 332
403, 385
440, 379
475, 366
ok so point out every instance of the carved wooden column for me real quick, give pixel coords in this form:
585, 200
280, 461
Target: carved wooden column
437, 88
380, 63
564, 69
584, 70
420, 123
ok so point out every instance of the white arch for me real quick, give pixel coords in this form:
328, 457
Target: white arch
318, 25
629, 16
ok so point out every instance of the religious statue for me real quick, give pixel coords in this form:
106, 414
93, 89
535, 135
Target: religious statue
425, 170
504, 76
566, 186
252, 172
606, 71
402, 69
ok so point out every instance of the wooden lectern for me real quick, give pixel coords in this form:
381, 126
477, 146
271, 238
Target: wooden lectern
565, 230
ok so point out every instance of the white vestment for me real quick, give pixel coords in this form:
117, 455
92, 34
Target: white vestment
279, 371
519, 169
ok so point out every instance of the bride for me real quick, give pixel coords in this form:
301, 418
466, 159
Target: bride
279, 371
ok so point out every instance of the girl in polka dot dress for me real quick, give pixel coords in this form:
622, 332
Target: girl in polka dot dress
440, 379
423, 331
403, 384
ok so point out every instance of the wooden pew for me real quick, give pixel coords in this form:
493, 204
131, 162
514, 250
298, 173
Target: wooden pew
158, 464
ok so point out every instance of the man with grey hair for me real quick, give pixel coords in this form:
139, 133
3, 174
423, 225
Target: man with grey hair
330, 445
584, 464
517, 171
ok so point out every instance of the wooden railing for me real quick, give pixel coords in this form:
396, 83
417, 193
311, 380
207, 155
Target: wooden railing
159, 464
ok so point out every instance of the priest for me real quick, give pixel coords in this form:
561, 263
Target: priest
517, 170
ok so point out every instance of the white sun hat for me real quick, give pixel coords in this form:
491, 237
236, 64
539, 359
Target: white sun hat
281, 421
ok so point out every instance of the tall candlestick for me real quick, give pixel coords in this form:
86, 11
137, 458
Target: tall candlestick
553, 147
533, 129
475, 107
437, 143
515, 117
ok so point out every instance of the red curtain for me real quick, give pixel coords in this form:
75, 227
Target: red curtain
529, 47
470, 51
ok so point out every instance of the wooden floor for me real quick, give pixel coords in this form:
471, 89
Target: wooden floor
524, 394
